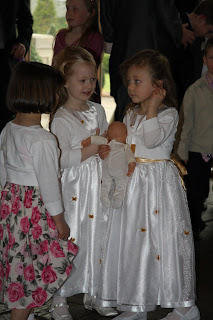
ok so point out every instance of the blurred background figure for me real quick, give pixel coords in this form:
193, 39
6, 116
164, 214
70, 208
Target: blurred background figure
15, 35
134, 26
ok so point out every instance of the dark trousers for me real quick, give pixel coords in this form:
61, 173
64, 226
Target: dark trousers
121, 99
197, 183
5, 72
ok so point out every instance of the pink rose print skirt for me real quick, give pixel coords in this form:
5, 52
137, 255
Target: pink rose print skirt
34, 263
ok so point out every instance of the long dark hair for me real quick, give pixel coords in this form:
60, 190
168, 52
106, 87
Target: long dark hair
159, 69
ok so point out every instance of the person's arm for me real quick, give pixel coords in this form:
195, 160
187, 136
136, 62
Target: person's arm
169, 19
157, 130
24, 24
186, 134
188, 36
70, 156
98, 140
103, 124
108, 9
3, 174
130, 160
45, 156
61, 226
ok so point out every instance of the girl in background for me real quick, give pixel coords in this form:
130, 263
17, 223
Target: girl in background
148, 254
76, 120
83, 31
35, 256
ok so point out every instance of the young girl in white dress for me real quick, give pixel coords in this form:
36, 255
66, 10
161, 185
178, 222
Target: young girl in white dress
148, 255
77, 119
35, 256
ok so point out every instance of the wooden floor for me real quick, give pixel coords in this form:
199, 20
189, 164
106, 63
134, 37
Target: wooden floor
204, 268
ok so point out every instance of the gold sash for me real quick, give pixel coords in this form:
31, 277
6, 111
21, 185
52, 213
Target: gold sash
181, 169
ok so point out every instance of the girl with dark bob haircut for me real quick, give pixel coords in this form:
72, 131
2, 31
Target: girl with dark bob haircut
32, 224
33, 87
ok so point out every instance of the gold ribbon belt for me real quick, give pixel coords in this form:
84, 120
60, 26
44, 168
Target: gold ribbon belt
181, 169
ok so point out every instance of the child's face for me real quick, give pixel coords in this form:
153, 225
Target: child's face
139, 84
81, 84
77, 13
208, 60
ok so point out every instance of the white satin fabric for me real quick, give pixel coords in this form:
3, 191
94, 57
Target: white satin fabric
148, 253
81, 194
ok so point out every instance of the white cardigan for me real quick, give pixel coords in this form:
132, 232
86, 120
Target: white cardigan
29, 157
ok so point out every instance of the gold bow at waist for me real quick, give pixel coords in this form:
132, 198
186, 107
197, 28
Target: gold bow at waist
181, 169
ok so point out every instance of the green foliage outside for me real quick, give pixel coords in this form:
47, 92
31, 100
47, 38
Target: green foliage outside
44, 17
34, 56
105, 73
45, 20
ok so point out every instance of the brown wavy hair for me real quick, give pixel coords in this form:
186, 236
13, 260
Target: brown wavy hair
159, 68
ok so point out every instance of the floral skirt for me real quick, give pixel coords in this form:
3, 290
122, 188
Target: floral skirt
34, 263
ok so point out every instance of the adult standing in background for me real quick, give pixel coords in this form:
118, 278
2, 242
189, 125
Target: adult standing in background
188, 61
133, 26
15, 35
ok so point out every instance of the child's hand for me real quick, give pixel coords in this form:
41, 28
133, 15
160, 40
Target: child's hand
97, 132
103, 151
158, 95
188, 36
63, 230
86, 142
131, 168
61, 226
104, 134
